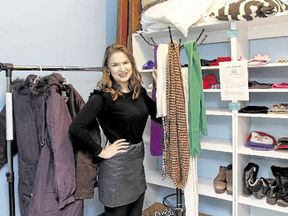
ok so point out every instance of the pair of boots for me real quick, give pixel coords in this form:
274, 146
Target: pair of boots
276, 191
252, 185
279, 190
223, 181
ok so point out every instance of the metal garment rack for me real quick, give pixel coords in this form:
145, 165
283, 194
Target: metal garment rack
9, 114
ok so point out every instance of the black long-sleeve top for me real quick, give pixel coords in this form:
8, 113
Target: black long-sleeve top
124, 118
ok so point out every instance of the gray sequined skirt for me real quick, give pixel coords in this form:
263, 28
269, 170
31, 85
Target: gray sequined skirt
121, 179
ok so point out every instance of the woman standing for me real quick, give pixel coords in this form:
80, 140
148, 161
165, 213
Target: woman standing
121, 106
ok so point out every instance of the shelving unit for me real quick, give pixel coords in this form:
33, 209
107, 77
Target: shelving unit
228, 130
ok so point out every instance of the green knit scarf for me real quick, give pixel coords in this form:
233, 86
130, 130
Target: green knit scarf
197, 111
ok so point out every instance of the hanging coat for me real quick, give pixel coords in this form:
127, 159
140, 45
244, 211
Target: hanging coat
45, 152
86, 168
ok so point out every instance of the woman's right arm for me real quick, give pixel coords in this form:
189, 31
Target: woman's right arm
79, 129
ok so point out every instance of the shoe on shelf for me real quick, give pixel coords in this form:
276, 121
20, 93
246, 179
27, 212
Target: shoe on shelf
220, 181
249, 173
281, 178
259, 187
271, 195
229, 179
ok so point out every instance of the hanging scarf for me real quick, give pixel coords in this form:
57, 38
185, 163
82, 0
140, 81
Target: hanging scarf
176, 143
197, 111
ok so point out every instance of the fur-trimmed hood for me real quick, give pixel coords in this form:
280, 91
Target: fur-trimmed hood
23, 85
41, 86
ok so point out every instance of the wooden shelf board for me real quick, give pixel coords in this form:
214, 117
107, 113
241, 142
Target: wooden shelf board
210, 68
212, 90
218, 112
205, 186
275, 116
270, 65
274, 65
145, 71
281, 154
251, 90
216, 145
261, 203
273, 90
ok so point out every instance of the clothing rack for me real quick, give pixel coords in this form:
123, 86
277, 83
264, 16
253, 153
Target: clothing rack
8, 67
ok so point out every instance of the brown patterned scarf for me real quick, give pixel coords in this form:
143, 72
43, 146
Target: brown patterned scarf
176, 144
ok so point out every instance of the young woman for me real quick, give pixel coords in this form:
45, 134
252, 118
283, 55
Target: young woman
121, 106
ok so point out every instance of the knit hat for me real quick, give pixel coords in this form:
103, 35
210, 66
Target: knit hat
209, 80
282, 143
260, 141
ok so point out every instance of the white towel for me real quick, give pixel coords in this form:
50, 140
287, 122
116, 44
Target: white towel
191, 188
162, 54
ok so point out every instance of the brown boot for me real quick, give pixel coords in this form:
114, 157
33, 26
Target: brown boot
229, 179
220, 181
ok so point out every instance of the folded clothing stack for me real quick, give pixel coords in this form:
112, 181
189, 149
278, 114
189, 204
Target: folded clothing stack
260, 141
282, 61
282, 143
259, 59
205, 62
281, 108
280, 85
254, 109
220, 59
257, 85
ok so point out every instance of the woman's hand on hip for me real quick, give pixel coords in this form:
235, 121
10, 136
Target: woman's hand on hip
110, 150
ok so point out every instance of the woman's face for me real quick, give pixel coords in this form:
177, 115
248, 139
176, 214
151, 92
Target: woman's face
120, 68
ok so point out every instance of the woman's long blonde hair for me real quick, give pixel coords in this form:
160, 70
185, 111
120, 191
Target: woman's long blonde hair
108, 84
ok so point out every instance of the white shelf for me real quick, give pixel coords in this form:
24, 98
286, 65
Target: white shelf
272, 90
218, 112
281, 154
205, 186
205, 68
212, 90
210, 68
145, 71
274, 116
261, 203
219, 145
251, 90
270, 65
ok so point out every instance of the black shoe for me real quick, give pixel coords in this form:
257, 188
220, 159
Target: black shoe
259, 187
281, 178
249, 173
272, 192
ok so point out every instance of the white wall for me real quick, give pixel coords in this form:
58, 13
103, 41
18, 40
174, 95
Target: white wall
67, 32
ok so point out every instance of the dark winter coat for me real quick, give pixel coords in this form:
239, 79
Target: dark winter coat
86, 170
45, 152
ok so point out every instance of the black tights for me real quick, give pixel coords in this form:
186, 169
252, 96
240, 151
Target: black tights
131, 209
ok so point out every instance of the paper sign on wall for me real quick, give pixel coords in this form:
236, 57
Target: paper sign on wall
234, 80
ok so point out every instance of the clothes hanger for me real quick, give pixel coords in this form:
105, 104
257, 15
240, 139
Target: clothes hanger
39, 75
66, 81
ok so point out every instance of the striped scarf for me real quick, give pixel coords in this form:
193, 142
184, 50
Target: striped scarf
176, 143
